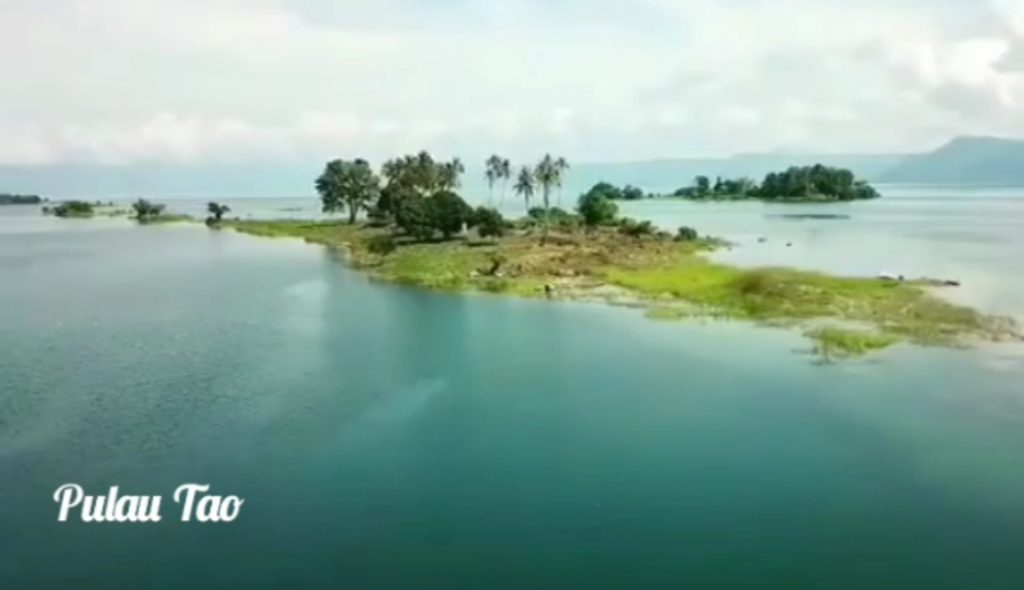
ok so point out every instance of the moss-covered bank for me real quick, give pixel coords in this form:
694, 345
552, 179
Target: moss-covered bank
844, 316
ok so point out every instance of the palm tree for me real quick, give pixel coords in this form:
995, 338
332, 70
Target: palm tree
549, 175
449, 174
492, 172
524, 186
504, 173
562, 166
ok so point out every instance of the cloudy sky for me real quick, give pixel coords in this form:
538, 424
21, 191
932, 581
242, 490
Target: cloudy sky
130, 81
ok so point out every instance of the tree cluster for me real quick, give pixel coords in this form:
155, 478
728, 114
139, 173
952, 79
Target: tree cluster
614, 193
9, 199
416, 193
816, 182
145, 210
73, 209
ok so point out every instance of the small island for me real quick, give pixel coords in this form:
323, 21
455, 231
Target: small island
142, 211
419, 231
806, 184
9, 199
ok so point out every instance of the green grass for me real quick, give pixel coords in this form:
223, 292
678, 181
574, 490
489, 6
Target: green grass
167, 218
671, 279
831, 342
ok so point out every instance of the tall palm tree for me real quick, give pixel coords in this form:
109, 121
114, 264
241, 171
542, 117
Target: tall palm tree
549, 175
524, 186
563, 167
492, 172
449, 174
505, 174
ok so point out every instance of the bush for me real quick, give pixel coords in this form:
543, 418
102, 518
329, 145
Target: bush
636, 229
488, 222
381, 245
73, 209
686, 234
597, 209
558, 216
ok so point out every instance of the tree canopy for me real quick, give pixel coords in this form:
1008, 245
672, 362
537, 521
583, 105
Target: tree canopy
596, 207
350, 185
146, 210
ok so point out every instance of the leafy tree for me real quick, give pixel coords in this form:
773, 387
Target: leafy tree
418, 173
524, 186
350, 185
449, 213
217, 211
596, 208
632, 193
488, 222
145, 210
415, 218
391, 198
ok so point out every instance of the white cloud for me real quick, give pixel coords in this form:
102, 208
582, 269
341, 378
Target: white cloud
121, 81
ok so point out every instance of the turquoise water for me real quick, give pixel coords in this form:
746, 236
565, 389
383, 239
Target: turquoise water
385, 437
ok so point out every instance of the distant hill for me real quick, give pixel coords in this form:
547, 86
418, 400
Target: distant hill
964, 160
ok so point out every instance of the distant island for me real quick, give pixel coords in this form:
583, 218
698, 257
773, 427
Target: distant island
409, 225
816, 184
9, 199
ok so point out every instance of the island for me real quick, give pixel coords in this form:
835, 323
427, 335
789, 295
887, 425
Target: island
418, 231
815, 184
10, 199
142, 211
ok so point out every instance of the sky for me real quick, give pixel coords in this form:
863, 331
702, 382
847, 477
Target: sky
129, 82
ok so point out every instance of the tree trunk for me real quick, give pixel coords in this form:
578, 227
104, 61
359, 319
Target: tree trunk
352, 214
547, 217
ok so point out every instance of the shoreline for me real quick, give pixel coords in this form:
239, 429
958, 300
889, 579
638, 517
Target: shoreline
843, 317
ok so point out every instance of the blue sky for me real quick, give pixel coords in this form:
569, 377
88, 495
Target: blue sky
125, 82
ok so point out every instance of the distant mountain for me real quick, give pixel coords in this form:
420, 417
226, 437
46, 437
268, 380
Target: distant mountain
964, 160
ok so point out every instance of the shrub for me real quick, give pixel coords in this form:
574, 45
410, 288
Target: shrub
686, 234
636, 229
381, 245
597, 209
73, 209
488, 222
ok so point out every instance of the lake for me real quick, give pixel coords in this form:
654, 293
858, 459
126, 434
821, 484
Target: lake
386, 437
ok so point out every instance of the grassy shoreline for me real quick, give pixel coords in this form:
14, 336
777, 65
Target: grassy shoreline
842, 316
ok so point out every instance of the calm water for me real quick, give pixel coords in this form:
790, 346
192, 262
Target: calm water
390, 438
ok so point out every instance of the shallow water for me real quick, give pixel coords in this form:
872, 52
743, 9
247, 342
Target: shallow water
385, 437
